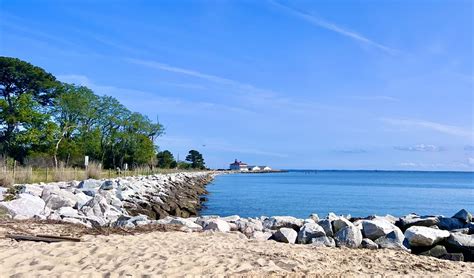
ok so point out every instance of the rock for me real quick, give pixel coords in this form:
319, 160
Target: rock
332, 216
461, 231
261, 236
340, 223
277, 222
463, 215
231, 219
34, 190
326, 225
461, 241
68, 212
437, 251
187, 223
81, 198
249, 226
54, 216
314, 217
55, 202
376, 228
90, 184
450, 224
323, 241
424, 236
349, 236
308, 220
108, 185
286, 235
416, 220
368, 244
98, 207
25, 205
217, 225
76, 221
308, 232
459, 257
393, 240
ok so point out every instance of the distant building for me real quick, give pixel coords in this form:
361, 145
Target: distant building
239, 166
254, 168
265, 168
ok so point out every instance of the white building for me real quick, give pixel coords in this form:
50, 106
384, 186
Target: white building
265, 168
254, 168
239, 166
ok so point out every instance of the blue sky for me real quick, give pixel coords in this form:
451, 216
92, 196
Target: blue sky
300, 84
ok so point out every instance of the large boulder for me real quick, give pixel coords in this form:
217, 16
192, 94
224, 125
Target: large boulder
340, 223
218, 225
424, 236
25, 205
186, 223
376, 228
461, 243
449, 224
368, 244
286, 235
276, 222
349, 236
393, 240
68, 212
326, 225
55, 202
260, 236
437, 251
463, 215
323, 241
416, 220
308, 232
249, 226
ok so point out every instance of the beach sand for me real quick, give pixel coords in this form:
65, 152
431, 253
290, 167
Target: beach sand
208, 254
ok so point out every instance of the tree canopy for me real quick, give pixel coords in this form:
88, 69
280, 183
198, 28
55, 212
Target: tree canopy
44, 119
196, 160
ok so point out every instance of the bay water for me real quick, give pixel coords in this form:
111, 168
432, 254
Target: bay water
359, 193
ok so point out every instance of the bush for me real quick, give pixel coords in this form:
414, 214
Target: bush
94, 171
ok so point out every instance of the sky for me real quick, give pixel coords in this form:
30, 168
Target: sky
289, 84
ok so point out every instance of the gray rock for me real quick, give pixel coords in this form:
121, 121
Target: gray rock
458, 257
90, 184
314, 217
437, 251
332, 216
261, 236
68, 212
461, 241
108, 185
25, 205
349, 236
231, 218
393, 240
286, 235
416, 220
277, 222
55, 202
187, 223
424, 236
81, 198
368, 244
340, 223
217, 225
463, 215
376, 228
323, 241
308, 232
446, 223
76, 221
326, 225
248, 226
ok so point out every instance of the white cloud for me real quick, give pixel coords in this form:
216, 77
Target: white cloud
442, 128
333, 27
419, 148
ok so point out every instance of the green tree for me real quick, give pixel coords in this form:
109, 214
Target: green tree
27, 91
165, 159
196, 160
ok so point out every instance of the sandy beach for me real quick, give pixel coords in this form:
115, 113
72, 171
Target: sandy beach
208, 254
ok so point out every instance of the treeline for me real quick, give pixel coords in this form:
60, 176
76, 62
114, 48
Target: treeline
45, 122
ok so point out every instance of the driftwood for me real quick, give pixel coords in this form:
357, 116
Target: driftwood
44, 238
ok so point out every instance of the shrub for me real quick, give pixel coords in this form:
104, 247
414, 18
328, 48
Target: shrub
94, 171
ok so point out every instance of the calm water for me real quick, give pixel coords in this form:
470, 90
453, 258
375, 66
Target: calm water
359, 193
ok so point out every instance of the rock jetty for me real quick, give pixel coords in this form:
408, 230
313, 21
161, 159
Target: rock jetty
128, 201
421, 235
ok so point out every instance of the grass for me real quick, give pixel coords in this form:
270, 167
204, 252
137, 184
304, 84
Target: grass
24, 175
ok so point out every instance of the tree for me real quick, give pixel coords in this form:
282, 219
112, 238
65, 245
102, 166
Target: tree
196, 159
166, 160
27, 91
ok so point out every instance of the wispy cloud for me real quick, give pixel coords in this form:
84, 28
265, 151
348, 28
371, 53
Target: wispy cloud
419, 148
335, 28
439, 127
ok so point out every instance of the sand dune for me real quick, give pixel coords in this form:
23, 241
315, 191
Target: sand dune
178, 254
